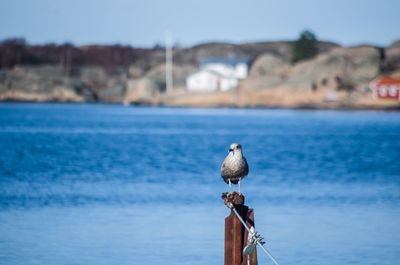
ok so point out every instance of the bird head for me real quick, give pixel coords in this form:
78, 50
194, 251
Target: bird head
235, 147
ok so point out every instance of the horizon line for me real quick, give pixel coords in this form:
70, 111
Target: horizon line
177, 44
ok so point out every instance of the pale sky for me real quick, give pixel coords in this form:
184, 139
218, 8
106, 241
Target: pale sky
143, 23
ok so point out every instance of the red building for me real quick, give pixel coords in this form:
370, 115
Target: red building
386, 87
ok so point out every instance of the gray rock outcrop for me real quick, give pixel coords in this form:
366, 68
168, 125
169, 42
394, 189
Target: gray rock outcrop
358, 65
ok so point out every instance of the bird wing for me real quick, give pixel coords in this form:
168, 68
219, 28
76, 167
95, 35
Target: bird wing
246, 167
226, 172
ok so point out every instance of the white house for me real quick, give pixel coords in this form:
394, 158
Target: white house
218, 74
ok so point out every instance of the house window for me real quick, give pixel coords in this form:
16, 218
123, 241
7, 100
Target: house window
393, 91
382, 91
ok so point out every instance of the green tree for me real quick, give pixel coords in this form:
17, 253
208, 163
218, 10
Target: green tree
305, 47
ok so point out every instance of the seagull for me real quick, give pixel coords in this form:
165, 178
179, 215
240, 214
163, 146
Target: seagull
234, 168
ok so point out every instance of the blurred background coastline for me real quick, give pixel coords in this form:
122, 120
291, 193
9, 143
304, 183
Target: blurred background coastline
302, 73
273, 54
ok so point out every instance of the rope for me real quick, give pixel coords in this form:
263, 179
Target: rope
257, 237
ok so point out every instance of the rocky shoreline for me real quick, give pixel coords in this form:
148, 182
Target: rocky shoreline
217, 101
337, 78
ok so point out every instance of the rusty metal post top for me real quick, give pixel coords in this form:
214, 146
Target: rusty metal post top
234, 198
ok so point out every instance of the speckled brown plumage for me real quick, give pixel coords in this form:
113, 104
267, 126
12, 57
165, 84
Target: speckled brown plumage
234, 167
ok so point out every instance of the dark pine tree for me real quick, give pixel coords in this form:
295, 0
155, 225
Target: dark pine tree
305, 47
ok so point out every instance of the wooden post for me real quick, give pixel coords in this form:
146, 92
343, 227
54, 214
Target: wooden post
235, 233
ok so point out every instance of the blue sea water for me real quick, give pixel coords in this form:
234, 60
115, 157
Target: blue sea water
107, 184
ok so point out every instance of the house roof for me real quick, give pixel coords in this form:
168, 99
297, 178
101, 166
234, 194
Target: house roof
386, 80
228, 61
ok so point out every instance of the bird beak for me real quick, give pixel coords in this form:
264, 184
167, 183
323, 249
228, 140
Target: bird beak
231, 150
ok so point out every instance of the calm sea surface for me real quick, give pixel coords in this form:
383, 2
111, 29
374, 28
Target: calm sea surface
106, 184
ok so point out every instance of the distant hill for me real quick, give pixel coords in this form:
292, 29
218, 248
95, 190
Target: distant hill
117, 73
18, 52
